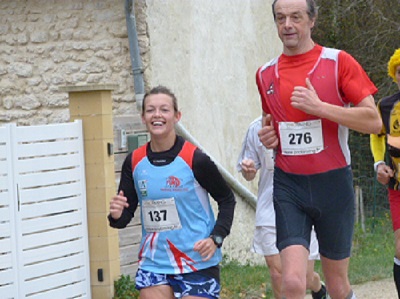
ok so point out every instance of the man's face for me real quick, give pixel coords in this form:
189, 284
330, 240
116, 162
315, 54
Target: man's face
294, 26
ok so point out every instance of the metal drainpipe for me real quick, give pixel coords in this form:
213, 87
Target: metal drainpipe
134, 52
139, 93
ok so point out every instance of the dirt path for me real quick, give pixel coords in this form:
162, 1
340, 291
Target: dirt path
381, 289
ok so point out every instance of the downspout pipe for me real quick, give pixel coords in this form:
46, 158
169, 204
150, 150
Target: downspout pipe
134, 52
140, 91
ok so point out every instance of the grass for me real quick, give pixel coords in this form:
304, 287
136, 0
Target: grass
373, 251
372, 259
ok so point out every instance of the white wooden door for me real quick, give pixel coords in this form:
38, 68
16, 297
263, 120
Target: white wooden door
48, 219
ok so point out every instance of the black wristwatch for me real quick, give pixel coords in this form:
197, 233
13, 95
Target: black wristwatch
217, 240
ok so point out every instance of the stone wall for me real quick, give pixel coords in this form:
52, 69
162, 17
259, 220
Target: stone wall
45, 44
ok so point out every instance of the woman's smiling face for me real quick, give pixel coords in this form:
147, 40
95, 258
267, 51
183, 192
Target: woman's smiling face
159, 114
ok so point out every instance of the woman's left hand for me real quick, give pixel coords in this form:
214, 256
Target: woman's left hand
206, 248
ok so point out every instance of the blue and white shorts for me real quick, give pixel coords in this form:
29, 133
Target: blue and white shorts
189, 284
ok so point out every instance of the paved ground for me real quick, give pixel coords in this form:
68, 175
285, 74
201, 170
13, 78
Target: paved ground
382, 289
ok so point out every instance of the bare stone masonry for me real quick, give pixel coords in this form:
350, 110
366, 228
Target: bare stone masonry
45, 44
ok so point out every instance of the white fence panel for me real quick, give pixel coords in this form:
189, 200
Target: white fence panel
47, 164
5, 220
6, 263
55, 251
54, 265
54, 281
8, 238
50, 133
51, 222
47, 200
48, 208
73, 291
41, 149
4, 196
43, 179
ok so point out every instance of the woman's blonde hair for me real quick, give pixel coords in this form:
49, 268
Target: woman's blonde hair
393, 63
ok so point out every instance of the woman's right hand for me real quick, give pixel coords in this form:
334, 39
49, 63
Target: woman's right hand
117, 205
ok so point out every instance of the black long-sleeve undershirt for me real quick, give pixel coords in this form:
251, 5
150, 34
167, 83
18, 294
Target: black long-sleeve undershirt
205, 172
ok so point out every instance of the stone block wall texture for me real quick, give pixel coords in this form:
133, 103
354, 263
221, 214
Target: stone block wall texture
45, 44
206, 51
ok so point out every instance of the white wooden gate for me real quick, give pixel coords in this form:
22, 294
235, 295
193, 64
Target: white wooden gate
43, 226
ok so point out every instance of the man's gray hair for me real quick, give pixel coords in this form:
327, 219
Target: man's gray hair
312, 9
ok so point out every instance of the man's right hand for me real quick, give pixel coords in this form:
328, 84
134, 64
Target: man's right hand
384, 173
249, 170
117, 205
267, 134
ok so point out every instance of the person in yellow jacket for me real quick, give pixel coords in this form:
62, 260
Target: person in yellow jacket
387, 145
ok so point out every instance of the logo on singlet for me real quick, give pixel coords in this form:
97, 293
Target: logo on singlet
143, 187
270, 89
173, 182
395, 128
396, 125
394, 121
